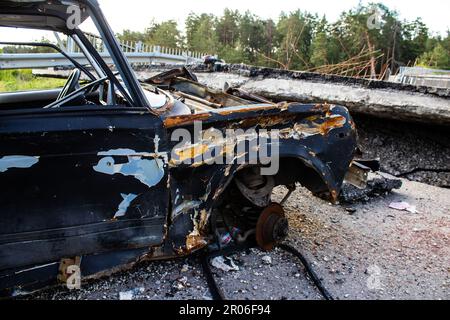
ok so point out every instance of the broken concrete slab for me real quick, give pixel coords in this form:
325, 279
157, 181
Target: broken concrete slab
369, 97
376, 102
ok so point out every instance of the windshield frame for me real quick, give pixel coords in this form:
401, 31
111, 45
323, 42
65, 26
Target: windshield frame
131, 88
121, 62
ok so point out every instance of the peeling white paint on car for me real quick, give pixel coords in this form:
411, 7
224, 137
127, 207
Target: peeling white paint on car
127, 153
186, 206
123, 206
149, 172
21, 162
156, 141
123, 152
177, 197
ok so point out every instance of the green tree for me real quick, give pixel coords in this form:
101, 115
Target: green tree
201, 33
29, 49
166, 34
295, 32
228, 28
266, 53
302, 41
414, 43
446, 42
232, 55
252, 36
128, 35
373, 29
320, 46
438, 58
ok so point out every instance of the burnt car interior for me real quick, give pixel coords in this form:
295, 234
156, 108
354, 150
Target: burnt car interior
92, 84
99, 89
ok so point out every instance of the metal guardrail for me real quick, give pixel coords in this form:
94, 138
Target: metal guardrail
136, 52
420, 71
46, 60
422, 77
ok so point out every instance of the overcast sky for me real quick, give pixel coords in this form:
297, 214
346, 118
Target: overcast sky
137, 14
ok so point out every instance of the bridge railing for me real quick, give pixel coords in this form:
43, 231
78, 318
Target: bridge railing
420, 76
136, 52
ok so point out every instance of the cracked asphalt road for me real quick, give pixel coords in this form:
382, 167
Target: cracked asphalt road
372, 253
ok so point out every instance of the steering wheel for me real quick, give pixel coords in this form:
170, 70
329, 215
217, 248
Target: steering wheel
71, 84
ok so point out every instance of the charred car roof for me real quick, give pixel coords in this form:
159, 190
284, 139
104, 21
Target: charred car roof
38, 14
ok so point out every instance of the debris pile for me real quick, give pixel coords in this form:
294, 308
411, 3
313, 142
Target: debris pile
379, 184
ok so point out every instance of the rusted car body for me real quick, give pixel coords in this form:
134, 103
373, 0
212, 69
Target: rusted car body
102, 184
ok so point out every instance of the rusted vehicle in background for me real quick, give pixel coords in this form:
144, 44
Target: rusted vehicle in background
91, 175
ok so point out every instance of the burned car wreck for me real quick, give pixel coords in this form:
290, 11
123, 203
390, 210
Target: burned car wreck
96, 174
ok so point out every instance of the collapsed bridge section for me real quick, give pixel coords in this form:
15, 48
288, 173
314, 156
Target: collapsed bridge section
406, 126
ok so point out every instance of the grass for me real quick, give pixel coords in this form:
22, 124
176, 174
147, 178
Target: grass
24, 80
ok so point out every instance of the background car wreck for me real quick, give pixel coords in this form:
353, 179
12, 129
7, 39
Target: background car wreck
95, 184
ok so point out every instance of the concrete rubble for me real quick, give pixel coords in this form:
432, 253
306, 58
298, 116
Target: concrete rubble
375, 98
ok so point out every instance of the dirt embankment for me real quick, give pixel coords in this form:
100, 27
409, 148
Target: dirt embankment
407, 150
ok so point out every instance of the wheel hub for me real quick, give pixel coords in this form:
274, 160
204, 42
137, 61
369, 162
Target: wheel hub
272, 227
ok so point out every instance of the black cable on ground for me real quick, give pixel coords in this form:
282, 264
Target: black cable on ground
217, 293
214, 289
308, 269
205, 256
